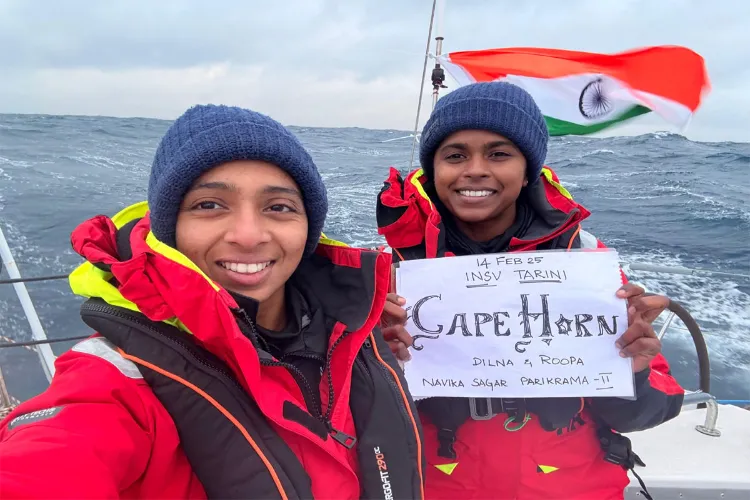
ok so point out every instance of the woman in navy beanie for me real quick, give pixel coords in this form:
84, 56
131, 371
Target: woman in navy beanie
239, 354
483, 188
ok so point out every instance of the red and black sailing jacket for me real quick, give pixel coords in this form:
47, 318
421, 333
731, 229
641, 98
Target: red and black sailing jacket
175, 398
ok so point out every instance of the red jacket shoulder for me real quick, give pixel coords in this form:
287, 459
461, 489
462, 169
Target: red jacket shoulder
90, 434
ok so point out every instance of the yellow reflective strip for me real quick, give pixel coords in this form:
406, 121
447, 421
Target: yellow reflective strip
325, 240
175, 256
178, 324
548, 175
130, 213
88, 281
447, 468
415, 181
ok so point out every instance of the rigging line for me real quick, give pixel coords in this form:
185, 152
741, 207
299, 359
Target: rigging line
28, 344
421, 87
29, 280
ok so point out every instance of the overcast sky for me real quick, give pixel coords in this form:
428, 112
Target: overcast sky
333, 63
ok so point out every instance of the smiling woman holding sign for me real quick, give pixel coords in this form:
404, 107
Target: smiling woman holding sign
482, 189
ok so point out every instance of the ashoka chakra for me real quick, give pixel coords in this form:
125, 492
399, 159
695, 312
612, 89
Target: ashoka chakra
593, 102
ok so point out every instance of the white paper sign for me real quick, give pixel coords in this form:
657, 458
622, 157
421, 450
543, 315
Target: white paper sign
532, 324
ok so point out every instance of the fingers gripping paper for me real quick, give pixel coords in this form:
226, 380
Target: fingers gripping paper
541, 324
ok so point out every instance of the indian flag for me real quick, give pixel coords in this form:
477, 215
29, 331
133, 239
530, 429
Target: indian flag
581, 92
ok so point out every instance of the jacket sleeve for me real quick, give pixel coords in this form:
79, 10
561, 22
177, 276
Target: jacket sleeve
87, 436
658, 399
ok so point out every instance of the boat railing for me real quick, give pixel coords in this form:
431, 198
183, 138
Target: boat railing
676, 310
46, 356
6, 400
712, 411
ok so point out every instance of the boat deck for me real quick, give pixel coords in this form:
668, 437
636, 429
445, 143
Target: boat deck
682, 463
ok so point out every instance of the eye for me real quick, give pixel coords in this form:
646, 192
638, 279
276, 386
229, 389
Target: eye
206, 205
281, 208
454, 157
499, 154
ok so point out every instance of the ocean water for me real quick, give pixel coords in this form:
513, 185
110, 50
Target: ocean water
657, 198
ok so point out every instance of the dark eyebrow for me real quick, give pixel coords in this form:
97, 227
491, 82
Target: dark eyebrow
282, 190
461, 146
231, 187
214, 185
456, 145
497, 144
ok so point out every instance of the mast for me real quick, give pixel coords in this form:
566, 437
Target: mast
438, 73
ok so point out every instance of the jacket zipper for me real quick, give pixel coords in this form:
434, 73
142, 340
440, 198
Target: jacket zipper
340, 437
361, 363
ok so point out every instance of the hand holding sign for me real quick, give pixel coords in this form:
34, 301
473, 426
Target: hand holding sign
393, 321
640, 341
540, 324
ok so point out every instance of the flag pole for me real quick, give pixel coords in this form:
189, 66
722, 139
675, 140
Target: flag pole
438, 73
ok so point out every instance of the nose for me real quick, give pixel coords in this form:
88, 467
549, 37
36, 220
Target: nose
476, 168
247, 228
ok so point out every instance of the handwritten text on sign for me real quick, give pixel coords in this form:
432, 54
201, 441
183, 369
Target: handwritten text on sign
536, 324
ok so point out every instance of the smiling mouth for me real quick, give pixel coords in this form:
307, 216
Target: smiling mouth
243, 268
476, 193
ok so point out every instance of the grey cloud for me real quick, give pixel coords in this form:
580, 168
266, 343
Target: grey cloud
360, 47
178, 34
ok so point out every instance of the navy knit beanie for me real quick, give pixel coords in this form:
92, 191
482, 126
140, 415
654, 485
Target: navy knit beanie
207, 136
499, 107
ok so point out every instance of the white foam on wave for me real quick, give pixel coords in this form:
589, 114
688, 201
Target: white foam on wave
608, 176
662, 134
359, 151
23, 251
708, 207
599, 152
97, 160
719, 305
14, 163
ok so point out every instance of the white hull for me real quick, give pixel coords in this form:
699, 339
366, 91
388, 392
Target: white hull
682, 463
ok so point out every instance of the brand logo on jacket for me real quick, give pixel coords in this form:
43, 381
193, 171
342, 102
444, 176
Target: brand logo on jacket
384, 475
34, 416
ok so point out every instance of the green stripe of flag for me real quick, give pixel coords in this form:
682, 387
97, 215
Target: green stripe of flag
561, 127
